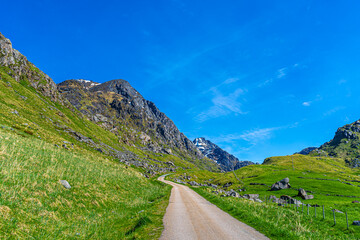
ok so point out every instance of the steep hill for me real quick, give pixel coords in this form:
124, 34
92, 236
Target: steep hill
30, 104
116, 106
226, 161
345, 145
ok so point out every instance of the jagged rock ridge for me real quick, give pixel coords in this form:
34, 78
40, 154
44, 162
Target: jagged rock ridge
226, 161
23, 70
118, 107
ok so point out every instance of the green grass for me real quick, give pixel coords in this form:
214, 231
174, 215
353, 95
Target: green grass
107, 200
302, 172
283, 223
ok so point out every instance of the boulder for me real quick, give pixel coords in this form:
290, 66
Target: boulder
288, 199
251, 196
302, 193
232, 193
282, 184
355, 201
308, 197
227, 184
258, 200
65, 184
356, 223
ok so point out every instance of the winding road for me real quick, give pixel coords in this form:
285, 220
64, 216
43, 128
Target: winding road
189, 216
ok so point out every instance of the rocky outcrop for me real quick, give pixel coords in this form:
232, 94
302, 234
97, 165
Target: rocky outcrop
345, 144
116, 106
282, 184
306, 151
226, 161
23, 70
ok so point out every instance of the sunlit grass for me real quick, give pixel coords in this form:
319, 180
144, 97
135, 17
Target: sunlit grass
107, 200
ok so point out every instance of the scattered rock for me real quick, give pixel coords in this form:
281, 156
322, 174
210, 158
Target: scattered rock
251, 196
212, 185
65, 184
308, 197
302, 193
338, 211
232, 193
356, 223
15, 112
193, 183
282, 184
228, 184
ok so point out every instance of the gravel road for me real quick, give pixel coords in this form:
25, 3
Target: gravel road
190, 216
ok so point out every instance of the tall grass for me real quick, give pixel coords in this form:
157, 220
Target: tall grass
282, 223
107, 200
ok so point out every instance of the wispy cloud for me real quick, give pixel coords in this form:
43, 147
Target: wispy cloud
222, 105
253, 136
334, 110
309, 103
342, 81
281, 72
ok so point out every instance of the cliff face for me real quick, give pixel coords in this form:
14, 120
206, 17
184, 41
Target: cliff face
118, 107
23, 70
226, 161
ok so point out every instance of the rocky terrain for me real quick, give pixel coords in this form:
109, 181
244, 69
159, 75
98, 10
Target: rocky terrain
111, 118
345, 144
226, 161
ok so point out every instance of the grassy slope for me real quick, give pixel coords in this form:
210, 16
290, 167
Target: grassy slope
107, 200
277, 168
41, 117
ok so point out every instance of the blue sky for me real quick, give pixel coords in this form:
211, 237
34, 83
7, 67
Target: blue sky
258, 78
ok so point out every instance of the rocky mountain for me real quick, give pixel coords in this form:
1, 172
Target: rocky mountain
118, 107
226, 161
22, 70
307, 150
111, 118
345, 144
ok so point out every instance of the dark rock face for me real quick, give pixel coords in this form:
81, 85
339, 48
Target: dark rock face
306, 151
23, 70
226, 161
282, 184
118, 107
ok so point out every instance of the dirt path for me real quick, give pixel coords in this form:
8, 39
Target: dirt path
190, 216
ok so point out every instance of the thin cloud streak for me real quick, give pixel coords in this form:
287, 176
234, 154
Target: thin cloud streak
222, 105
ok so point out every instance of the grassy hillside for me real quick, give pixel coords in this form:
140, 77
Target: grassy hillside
328, 179
107, 200
24, 109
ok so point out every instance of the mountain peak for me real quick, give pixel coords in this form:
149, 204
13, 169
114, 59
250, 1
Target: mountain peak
226, 161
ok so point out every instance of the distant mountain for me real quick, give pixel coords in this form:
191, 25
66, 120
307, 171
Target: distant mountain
307, 150
226, 161
345, 144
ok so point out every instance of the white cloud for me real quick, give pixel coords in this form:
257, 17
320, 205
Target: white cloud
306, 104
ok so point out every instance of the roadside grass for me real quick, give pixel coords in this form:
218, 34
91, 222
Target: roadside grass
107, 200
282, 223
327, 179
